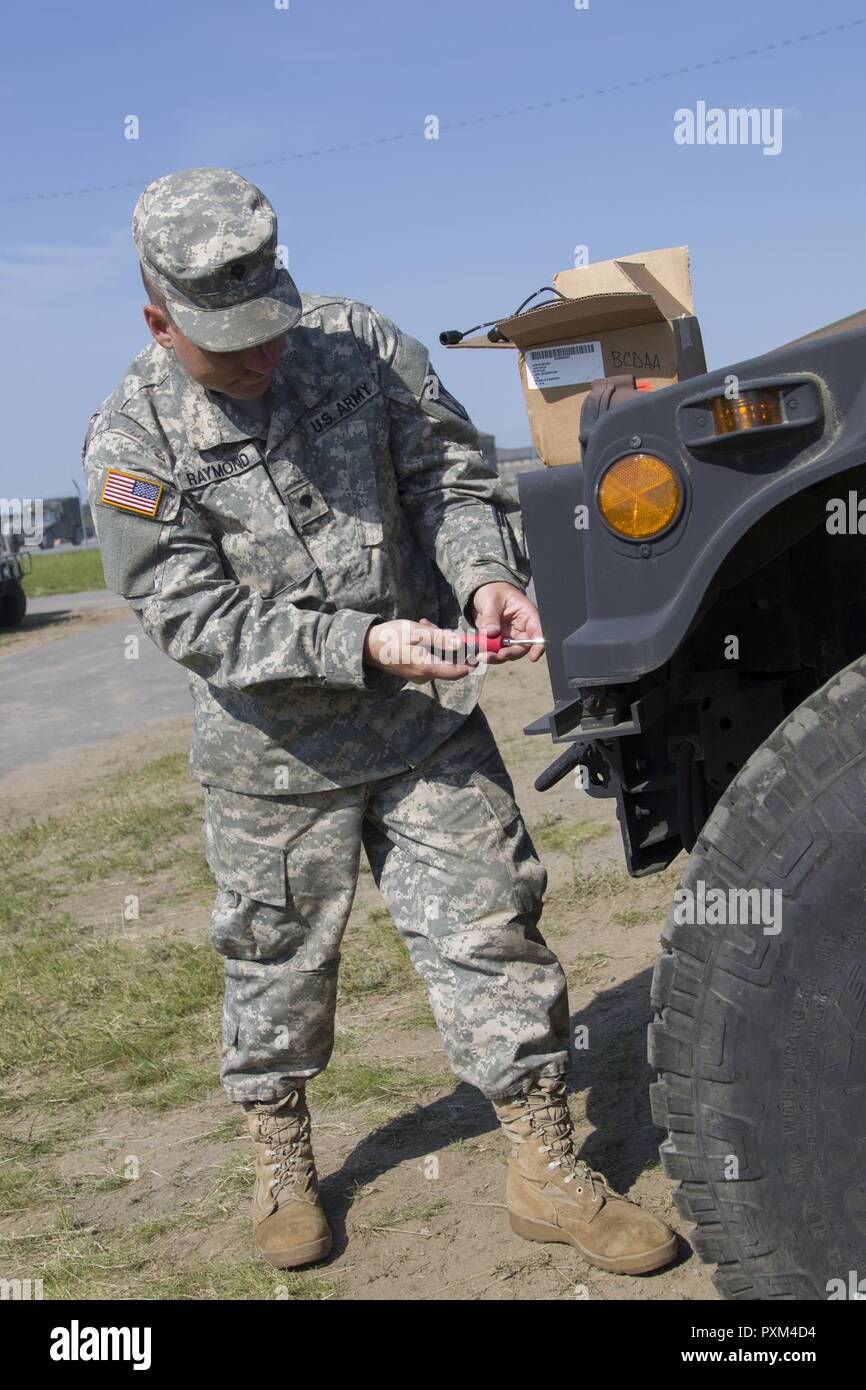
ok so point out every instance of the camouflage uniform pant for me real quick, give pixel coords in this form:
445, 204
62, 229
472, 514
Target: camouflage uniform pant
459, 875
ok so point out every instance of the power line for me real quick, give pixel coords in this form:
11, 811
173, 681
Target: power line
478, 120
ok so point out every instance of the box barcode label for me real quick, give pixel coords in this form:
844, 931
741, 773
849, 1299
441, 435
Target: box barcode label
570, 364
539, 354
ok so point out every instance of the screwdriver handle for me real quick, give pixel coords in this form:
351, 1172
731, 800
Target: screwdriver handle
483, 643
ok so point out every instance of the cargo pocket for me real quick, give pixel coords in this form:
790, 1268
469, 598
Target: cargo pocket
514, 845
253, 917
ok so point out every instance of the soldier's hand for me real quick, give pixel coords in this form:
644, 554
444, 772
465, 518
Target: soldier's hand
416, 652
502, 610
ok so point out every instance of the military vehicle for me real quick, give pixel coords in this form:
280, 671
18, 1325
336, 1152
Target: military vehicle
62, 521
13, 600
701, 581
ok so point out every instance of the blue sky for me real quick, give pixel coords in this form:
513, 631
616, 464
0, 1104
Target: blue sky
438, 233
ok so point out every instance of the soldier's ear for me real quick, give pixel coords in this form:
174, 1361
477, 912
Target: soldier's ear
159, 324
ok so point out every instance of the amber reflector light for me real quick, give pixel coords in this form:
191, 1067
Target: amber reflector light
639, 496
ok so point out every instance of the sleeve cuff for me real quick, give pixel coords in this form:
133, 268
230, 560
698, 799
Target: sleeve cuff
344, 648
486, 574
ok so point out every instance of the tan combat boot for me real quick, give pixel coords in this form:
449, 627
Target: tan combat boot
553, 1196
289, 1224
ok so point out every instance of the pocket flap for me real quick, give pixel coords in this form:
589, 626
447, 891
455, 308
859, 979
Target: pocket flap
248, 867
499, 795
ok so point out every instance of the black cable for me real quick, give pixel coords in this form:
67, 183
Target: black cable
452, 336
544, 289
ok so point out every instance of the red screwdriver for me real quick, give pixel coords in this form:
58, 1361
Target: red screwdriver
483, 643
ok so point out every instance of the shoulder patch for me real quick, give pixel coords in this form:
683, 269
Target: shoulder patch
436, 393
411, 366
131, 492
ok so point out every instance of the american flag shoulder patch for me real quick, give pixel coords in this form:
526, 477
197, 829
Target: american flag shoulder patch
131, 493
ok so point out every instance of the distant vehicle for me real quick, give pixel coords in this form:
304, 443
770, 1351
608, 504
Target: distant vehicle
62, 522
13, 600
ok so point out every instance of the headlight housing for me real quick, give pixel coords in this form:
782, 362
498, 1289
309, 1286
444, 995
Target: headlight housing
752, 410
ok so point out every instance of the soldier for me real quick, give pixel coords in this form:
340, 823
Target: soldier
298, 513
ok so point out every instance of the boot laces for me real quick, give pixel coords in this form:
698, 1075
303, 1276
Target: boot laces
549, 1118
288, 1148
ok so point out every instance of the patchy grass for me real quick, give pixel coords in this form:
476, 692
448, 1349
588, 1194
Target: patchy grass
73, 572
631, 917
24, 1184
419, 1014
230, 1128
604, 882
517, 748
135, 827
92, 1017
232, 1186
374, 959
78, 1262
555, 833
582, 968
392, 1218
355, 1082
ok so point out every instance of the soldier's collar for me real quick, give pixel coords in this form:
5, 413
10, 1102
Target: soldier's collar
210, 418
295, 392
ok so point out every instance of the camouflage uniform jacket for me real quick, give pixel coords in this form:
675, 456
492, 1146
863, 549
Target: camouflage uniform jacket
271, 549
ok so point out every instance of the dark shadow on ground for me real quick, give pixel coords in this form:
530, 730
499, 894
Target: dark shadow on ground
33, 621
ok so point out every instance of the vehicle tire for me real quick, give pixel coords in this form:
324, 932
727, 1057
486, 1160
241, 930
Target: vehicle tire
13, 606
77, 536
760, 1038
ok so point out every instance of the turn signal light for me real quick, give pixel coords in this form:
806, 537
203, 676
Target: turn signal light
748, 411
639, 496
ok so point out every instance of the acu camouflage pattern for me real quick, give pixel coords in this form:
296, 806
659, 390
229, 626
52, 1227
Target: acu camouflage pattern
356, 496
207, 239
276, 545
459, 875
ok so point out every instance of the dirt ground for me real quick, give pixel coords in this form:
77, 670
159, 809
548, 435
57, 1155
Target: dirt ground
412, 1164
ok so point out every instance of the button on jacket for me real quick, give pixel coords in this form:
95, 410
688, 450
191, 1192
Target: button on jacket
258, 553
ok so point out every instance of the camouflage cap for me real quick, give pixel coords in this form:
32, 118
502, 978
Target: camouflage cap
207, 239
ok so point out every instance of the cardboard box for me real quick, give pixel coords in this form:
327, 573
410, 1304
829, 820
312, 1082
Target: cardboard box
632, 316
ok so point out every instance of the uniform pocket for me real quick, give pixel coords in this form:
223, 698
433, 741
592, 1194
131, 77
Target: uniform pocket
268, 565
528, 874
250, 520
248, 867
253, 918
